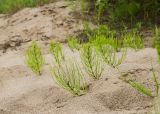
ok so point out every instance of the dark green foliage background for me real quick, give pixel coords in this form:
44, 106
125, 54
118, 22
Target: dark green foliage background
125, 10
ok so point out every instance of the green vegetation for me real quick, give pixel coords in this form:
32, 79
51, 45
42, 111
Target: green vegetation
117, 25
99, 31
11, 6
157, 41
34, 58
110, 56
92, 61
115, 11
133, 40
142, 89
56, 50
101, 40
147, 91
74, 44
107, 44
103, 35
156, 83
70, 78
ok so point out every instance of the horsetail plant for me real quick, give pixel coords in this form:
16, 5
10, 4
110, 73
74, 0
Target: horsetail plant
92, 61
34, 58
155, 80
145, 90
133, 40
56, 50
110, 55
74, 44
156, 83
156, 102
141, 88
108, 47
100, 40
70, 78
138, 86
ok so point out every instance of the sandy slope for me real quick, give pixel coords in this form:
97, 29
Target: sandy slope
43, 23
22, 92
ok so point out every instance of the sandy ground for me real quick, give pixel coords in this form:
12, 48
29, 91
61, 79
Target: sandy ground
53, 21
22, 92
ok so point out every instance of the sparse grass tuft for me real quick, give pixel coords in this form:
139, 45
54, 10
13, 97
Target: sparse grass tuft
70, 78
101, 40
111, 57
92, 61
141, 88
74, 44
133, 40
156, 83
34, 58
108, 48
56, 50
145, 90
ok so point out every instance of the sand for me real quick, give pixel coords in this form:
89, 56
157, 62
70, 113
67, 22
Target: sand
23, 92
53, 21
